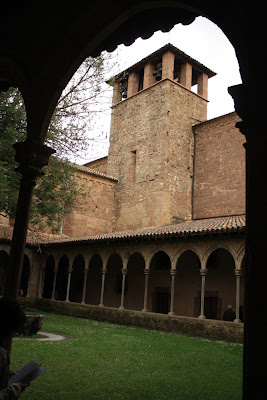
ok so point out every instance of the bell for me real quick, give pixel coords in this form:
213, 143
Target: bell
158, 75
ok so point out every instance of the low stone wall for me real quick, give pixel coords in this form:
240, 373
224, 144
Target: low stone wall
211, 329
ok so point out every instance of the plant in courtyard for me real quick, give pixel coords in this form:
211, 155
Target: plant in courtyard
69, 134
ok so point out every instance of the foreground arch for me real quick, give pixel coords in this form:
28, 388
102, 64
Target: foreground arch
48, 68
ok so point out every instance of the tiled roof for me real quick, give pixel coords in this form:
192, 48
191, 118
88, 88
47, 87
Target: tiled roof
216, 225
33, 238
179, 53
94, 172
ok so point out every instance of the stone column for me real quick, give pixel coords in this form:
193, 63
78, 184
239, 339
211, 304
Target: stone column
116, 98
31, 156
146, 271
41, 281
173, 274
133, 83
168, 65
85, 284
203, 273
149, 79
124, 273
186, 75
202, 85
238, 273
103, 271
55, 281
68, 286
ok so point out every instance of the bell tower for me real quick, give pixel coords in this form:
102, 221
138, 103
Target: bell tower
155, 104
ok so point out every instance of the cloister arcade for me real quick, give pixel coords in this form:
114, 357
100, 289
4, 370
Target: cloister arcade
25, 276
198, 278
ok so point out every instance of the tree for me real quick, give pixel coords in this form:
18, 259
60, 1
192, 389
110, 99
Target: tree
68, 134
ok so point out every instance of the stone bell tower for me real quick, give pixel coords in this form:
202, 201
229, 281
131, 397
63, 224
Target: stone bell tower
151, 140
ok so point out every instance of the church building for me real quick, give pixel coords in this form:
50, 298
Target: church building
161, 228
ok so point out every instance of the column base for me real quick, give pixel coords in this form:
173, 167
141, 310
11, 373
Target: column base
121, 308
238, 321
67, 301
144, 310
202, 317
171, 313
101, 305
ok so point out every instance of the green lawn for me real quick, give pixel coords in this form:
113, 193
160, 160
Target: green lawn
110, 362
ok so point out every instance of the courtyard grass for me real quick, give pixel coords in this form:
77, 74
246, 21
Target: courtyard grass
113, 362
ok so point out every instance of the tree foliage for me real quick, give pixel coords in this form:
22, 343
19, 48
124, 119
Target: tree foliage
69, 134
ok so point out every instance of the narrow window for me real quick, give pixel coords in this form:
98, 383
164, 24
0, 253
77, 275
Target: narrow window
133, 166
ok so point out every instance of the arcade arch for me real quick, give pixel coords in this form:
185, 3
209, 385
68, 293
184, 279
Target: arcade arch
61, 279
49, 277
113, 281
159, 294
94, 280
166, 280
187, 284
77, 279
134, 284
220, 283
234, 23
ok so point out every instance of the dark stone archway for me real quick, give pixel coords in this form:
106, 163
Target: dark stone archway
113, 281
159, 292
220, 289
135, 282
77, 279
93, 287
62, 279
187, 285
49, 278
42, 64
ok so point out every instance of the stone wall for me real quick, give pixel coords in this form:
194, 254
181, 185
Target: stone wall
151, 153
94, 212
211, 329
219, 168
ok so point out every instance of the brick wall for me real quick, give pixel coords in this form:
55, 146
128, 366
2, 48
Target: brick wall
219, 165
94, 212
99, 165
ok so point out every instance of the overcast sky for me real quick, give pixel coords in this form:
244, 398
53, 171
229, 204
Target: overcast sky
203, 41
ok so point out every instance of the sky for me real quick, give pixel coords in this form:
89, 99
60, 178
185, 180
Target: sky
201, 40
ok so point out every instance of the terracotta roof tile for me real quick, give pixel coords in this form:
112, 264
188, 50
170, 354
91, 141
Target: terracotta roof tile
185, 228
92, 171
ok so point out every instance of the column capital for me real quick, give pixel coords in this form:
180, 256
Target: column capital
32, 156
70, 269
146, 271
103, 271
173, 271
124, 271
203, 271
238, 272
240, 96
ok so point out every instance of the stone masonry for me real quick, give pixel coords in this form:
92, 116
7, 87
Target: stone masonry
167, 162
159, 228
